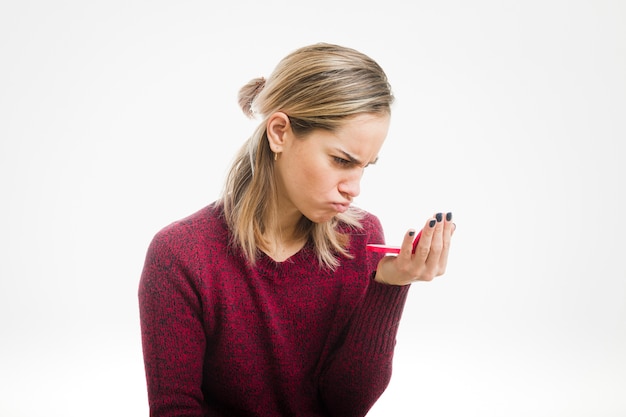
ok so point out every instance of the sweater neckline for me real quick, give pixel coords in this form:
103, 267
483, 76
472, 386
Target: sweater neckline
303, 254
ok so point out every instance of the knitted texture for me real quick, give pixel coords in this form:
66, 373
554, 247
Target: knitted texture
224, 338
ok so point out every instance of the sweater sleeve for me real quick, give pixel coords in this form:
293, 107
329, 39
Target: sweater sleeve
172, 333
360, 369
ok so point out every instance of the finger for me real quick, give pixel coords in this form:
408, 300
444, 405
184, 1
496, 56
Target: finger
448, 231
436, 246
423, 247
406, 249
448, 228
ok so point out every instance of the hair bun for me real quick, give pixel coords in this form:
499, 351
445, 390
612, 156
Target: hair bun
248, 93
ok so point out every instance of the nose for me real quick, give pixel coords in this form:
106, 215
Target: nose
350, 187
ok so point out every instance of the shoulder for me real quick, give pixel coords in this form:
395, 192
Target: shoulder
368, 222
193, 232
370, 229
204, 218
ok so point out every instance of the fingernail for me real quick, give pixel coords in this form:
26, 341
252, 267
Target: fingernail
432, 223
439, 217
412, 232
449, 216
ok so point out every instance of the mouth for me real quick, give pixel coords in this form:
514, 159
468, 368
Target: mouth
341, 207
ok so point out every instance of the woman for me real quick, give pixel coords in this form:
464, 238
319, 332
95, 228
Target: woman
266, 302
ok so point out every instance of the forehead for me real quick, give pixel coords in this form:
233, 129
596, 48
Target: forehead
361, 135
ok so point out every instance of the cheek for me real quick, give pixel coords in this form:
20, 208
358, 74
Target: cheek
317, 180
308, 174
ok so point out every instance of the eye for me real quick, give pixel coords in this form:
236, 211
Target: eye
341, 161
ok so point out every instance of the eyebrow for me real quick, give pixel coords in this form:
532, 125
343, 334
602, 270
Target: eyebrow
355, 160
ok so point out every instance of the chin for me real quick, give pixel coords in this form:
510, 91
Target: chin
321, 218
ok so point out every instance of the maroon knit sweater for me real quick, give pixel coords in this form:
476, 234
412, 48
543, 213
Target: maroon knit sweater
224, 338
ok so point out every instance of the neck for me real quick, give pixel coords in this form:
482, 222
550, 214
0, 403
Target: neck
283, 227
281, 234
282, 220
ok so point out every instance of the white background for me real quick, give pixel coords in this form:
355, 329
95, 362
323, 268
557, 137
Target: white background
118, 117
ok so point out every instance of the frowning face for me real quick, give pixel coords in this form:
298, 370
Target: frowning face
319, 175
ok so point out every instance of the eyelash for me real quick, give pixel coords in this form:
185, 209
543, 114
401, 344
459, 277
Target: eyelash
341, 161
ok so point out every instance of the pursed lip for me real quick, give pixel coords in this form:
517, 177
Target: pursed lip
341, 207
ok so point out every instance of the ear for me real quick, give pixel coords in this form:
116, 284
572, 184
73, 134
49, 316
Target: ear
278, 129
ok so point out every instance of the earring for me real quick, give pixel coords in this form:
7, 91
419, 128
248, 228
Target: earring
276, 156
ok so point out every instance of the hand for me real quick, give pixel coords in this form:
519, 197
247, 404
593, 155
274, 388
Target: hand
430, 257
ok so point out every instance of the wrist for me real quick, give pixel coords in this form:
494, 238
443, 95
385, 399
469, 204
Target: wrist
379, 277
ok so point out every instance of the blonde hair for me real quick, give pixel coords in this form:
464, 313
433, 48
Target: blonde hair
318, 87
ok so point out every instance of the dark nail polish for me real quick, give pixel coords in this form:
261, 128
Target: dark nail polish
439, 217
432, 223
412, 232
449, 216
